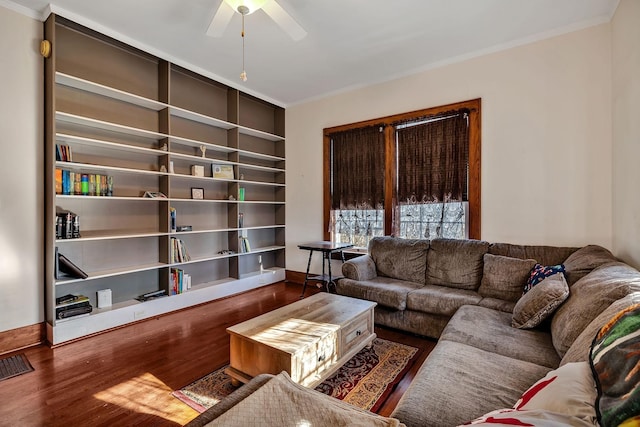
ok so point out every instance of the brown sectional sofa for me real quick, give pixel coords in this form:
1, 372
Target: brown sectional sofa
468, 294
419, 285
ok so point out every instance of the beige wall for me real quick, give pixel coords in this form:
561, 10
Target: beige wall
626, 131
546, 140
21, 177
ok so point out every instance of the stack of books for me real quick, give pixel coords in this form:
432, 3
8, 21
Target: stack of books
69, 306
179, 251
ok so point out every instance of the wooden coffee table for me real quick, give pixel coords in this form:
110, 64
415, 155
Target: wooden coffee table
309, 339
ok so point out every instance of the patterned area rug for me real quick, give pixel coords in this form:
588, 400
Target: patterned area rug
365, 381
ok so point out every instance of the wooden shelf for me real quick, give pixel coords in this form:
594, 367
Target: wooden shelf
101, 274
259, 134
89, 168
87, 122
98, 89
200, 118
163, 117
93, 235
73, 140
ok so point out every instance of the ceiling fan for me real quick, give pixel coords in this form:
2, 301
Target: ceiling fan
227, 8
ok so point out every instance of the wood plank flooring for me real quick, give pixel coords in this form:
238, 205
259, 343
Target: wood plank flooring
126, 376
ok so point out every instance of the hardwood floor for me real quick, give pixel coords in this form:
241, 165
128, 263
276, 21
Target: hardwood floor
126, 376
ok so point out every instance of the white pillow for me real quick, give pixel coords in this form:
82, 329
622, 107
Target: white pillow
568, 390
534, 417
563, 397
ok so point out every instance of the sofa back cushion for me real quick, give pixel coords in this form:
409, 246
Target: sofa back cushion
579, 350
584, 260
589, 297
504, 277
404, 259
456, 263
545, 255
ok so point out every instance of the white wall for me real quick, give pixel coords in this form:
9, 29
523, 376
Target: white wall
546, 140
21, 175
626, 131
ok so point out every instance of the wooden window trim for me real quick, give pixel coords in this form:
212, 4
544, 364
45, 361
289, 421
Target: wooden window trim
475, 132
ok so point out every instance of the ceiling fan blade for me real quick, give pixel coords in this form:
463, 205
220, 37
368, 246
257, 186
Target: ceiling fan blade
284, 20
220, 20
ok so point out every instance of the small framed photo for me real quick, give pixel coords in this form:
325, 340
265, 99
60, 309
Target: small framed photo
222, 171
197, 193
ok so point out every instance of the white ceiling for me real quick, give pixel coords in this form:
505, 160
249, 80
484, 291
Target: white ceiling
350, 43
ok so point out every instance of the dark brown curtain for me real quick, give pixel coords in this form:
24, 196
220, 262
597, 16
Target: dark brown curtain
357, 168
433, 159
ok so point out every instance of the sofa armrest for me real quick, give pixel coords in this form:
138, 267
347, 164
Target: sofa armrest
230, 401
360, 268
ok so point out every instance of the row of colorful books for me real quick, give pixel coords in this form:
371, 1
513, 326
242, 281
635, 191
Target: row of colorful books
83, 184
179, 281
63, 153
179, 251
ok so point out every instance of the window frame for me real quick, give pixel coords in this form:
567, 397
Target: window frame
474, 191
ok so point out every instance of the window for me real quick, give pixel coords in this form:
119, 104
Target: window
413, 175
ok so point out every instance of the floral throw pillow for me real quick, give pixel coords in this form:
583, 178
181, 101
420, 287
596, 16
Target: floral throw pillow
539, 273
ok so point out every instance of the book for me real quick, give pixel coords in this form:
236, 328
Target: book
75, 307
66, 183
74, 311
222, 171
58, 181
64, 265
70, 299
152, 295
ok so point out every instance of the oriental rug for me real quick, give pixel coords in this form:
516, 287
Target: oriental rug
365, 381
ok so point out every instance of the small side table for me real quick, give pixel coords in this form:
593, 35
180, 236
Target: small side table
327, 248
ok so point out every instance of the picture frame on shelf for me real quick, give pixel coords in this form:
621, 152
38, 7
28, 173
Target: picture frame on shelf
197, 193
222, 171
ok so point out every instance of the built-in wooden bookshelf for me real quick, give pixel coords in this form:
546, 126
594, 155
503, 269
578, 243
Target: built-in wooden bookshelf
145, 122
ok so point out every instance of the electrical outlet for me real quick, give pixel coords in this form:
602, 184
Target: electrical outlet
139, 314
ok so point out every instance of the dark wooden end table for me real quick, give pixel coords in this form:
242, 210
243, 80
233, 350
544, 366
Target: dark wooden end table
327, 249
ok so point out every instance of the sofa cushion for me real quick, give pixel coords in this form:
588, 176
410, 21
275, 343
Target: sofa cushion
497, 304
404, 259
584, 260
568, 390
589, 297
459, 382
385, 291
440, 299
545, 255
540, 302
456, 263
579, 350
417, 322
491, 330
540, 272
504, 277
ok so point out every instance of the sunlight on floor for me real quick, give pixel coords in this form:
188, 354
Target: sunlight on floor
140, 394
